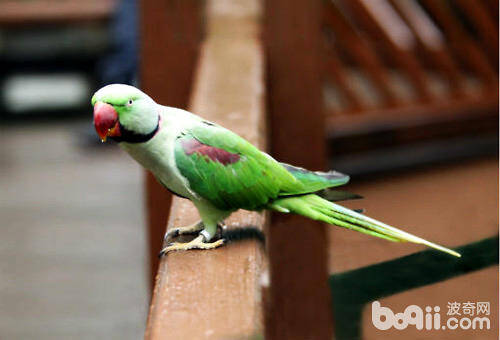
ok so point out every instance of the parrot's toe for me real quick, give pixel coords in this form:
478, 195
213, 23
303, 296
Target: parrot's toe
197, 243
190, 229
172, 233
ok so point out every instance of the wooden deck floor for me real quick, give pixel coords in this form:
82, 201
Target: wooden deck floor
73, 245
448, 204
452, 204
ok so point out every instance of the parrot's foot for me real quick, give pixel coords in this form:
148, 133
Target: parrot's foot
190, 229
197, 243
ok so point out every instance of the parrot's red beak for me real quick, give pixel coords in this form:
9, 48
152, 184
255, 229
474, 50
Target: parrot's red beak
106, 121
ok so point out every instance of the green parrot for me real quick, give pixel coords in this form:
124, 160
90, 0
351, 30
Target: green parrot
220, 172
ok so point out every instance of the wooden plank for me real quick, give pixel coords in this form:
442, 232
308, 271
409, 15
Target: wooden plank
492, 6
486, 27
418, 196
380, 140
381, 21
432, 40
360, 51
334, 68
50, 12
299, 300
216, 294
171, 31
411, 115
464, 47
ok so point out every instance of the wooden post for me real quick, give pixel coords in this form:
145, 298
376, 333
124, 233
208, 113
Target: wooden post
299, 300
170, 35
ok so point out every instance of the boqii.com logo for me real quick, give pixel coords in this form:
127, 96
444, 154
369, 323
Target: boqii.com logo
466, 315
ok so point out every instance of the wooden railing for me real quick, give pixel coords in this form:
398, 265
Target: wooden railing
236, 291
216, 294
171, 32
399, 66
423, 48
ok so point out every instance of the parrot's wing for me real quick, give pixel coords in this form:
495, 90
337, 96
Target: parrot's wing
316, 180
228, 171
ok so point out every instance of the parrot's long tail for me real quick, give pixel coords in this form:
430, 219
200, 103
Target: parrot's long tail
317, 208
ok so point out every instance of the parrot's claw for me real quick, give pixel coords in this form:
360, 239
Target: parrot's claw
197, 243
190, 229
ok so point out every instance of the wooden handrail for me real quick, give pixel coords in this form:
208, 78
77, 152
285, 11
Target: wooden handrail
50, 12
216, 294
170, 35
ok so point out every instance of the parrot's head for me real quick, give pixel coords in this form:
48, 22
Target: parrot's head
123, 112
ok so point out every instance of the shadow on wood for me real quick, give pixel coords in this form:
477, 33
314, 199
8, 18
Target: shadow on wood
353, 289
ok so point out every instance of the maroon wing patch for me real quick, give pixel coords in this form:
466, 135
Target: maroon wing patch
191, 146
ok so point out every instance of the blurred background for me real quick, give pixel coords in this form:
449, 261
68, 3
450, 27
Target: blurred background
73, 245
411, 100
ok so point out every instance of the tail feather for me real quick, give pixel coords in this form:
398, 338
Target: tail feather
317, 208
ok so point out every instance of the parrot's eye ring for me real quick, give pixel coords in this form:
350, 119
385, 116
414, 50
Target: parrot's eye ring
130, 101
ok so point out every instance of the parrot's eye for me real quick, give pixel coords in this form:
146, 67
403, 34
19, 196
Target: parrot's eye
130, 101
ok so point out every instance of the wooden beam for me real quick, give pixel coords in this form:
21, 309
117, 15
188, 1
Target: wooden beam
492, 6
383, 23
411, 115
170, 36
360, 51
299, 300
14, 13
461, 42
432, 40
333, 68
487, 29
216, 294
